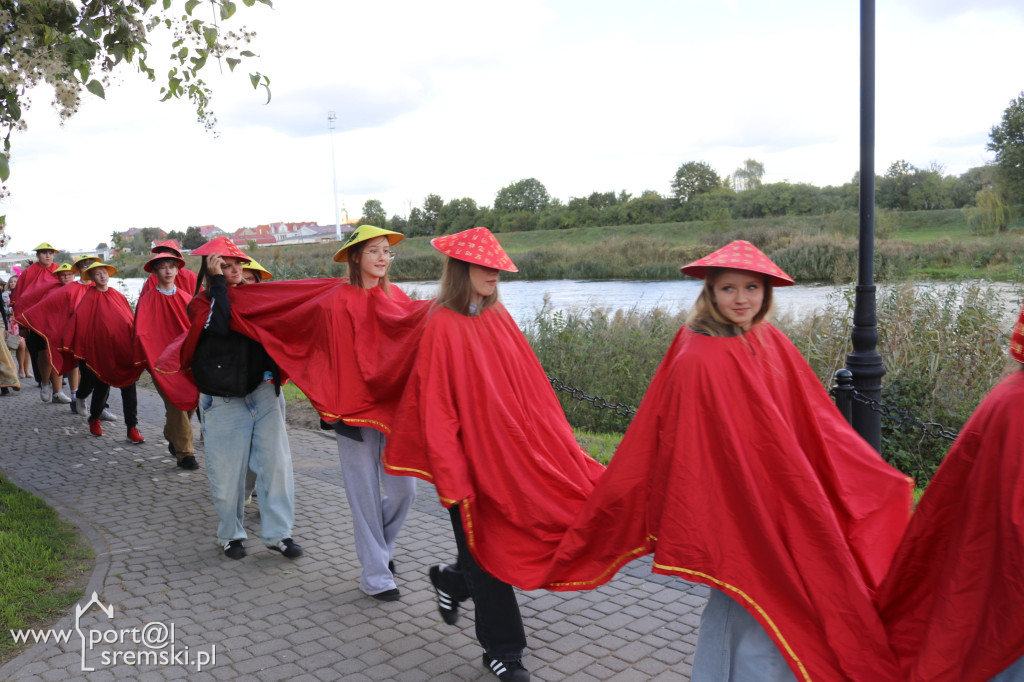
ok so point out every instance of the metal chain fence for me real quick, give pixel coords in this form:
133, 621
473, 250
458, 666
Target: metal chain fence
902, 417
601, 403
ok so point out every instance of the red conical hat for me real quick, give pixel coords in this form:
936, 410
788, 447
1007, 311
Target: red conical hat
739, 255
221, 246
168, 244
148, 266
1017, 340
477, 246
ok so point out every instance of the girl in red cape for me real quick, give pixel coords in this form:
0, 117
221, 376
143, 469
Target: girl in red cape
160, 317
46, 311
739, 472
32, 285
101, 337
379, 501
480, 421
953, 600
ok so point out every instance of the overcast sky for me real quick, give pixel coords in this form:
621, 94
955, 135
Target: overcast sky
462, 97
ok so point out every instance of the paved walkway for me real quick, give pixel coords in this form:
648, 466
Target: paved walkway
152, 526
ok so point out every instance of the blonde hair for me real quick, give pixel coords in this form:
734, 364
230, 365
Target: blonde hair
457, 288
355, 273
705, 318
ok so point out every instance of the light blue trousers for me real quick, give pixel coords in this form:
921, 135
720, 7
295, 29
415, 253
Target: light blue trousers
235, 430
379, 503
733, 647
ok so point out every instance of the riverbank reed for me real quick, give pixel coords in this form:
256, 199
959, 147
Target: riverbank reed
943, 351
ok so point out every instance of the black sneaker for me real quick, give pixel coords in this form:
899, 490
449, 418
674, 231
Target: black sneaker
509, 671
448, 607
188, 462
287, 547
234, 550
388, 595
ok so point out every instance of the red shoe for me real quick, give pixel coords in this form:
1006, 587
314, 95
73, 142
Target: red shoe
134, 436
95, 428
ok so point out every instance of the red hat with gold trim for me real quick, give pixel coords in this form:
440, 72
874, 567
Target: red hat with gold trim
478, 246
167, 245
1017, 340
221, 246
151, 263
739, 255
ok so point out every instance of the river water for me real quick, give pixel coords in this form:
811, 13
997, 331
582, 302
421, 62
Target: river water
525, 298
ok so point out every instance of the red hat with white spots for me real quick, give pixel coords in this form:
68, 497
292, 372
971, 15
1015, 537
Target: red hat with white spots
477, 246
221, 246
1017, 340
739, 255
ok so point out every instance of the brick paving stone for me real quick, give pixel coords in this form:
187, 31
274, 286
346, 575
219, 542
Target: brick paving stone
271, 618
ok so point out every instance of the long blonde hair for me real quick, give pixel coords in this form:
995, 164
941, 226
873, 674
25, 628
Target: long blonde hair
457, 288
705, 318
355, 273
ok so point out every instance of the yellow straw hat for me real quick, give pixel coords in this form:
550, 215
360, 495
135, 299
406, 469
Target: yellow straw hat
257, 268
80, 263
86, 277
44, 247
363, 233
63, 267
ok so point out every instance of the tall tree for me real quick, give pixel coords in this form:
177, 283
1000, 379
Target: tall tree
529, 195
693, 178
1007, 141
457, 215
75, 46
193, 238
374, 214
749, 176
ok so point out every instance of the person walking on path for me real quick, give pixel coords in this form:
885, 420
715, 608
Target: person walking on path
161, 315
184, 280
481, 422
102, 338
32, 286
378, 500
239, 386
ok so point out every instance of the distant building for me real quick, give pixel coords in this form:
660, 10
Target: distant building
211, 231
283, 234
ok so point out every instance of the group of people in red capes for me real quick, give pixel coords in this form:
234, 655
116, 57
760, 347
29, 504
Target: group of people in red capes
86, 326
738, 472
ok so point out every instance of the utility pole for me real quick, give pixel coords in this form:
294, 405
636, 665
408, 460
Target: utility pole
331, 118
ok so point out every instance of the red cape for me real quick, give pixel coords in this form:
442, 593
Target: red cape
159, 319
33, 284
739, 473
101, 335
480, 421
348, 350
953, 600
52, 319
185, 279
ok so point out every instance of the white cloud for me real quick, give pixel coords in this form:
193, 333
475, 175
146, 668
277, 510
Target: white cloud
460, 97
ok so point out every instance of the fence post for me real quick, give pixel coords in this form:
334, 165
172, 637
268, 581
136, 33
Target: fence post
843, 389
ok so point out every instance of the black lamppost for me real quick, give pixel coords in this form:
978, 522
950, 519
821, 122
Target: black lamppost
864, 361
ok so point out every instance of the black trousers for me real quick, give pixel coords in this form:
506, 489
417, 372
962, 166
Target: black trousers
90, 383
34, 344
499, 625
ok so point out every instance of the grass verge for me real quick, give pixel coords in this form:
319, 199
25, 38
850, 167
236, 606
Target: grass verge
44, 565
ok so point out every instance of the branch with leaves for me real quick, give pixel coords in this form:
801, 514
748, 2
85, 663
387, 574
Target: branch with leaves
75, 46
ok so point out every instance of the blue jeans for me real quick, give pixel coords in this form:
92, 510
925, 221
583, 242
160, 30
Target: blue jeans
733, 647
235, 430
